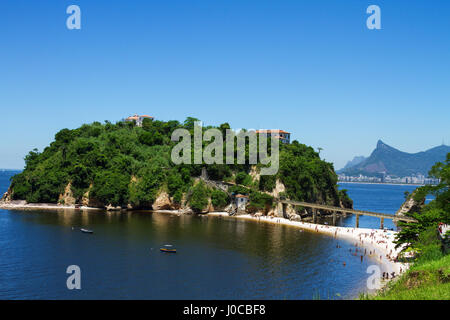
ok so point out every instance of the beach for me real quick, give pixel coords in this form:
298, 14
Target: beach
374, 243
22, 205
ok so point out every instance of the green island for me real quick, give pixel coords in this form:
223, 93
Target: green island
128, 166
428, 277
124, 166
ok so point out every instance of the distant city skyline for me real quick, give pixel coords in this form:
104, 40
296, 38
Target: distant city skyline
310, 68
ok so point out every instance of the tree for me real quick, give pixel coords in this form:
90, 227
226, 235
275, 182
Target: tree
199, 197
189, 123
434, 212
219, 199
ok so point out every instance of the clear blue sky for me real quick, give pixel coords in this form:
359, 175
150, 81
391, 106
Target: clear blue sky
308, 67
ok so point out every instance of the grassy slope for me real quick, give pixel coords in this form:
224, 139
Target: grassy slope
429, 280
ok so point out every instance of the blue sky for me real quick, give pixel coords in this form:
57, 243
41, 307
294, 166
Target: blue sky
308, 67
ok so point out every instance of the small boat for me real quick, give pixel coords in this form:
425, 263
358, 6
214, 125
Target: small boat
86, 230
168, 248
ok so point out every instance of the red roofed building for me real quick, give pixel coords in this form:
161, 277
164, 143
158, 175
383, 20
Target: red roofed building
138, 119
284, 136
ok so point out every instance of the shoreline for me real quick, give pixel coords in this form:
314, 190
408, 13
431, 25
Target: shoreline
383, 183
378, 243
381, 240
44, 206
376, 240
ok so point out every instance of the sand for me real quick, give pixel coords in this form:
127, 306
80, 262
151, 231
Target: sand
43, 206
379, 242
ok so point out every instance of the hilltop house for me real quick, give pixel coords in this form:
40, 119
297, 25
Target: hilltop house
138, 119
284, 136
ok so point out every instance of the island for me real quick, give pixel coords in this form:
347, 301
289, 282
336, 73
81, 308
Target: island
128, 166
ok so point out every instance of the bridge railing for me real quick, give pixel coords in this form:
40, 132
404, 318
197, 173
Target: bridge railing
358, 213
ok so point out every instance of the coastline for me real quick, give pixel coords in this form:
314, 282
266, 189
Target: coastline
383, 183
43, 206
380, 242
372, 239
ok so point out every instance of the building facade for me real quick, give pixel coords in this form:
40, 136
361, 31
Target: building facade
138, 119
240, 202
284, 136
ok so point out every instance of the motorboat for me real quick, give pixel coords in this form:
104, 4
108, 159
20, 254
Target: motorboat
168, 248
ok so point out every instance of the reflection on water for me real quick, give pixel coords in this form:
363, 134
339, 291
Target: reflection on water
217, 258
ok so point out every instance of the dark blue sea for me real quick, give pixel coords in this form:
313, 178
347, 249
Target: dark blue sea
217, 258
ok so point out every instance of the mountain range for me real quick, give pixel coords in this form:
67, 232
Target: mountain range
356, 160
390, 161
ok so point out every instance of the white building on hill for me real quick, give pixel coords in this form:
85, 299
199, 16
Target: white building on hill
138, 119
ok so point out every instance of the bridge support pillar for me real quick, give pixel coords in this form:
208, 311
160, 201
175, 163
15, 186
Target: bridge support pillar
357, 221
334, 218
314, 215
381, 223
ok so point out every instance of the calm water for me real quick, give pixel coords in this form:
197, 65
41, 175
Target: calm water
218, 258
382, 198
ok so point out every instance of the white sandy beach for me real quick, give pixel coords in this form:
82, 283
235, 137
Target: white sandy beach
44, 206
379, 243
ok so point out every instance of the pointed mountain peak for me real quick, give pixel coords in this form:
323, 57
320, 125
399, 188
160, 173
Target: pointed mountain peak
381, 144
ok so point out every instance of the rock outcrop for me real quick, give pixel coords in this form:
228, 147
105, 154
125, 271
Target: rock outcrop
67, 197
279, 188
88, 201
7, 196
162, 202
410, 205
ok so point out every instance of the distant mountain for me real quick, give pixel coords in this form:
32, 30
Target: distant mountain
388, 160
356, 160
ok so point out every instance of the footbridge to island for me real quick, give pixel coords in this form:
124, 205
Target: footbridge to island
282, 204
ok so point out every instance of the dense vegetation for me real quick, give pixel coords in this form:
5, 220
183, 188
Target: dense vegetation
122, 164
429, 276
431, 214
